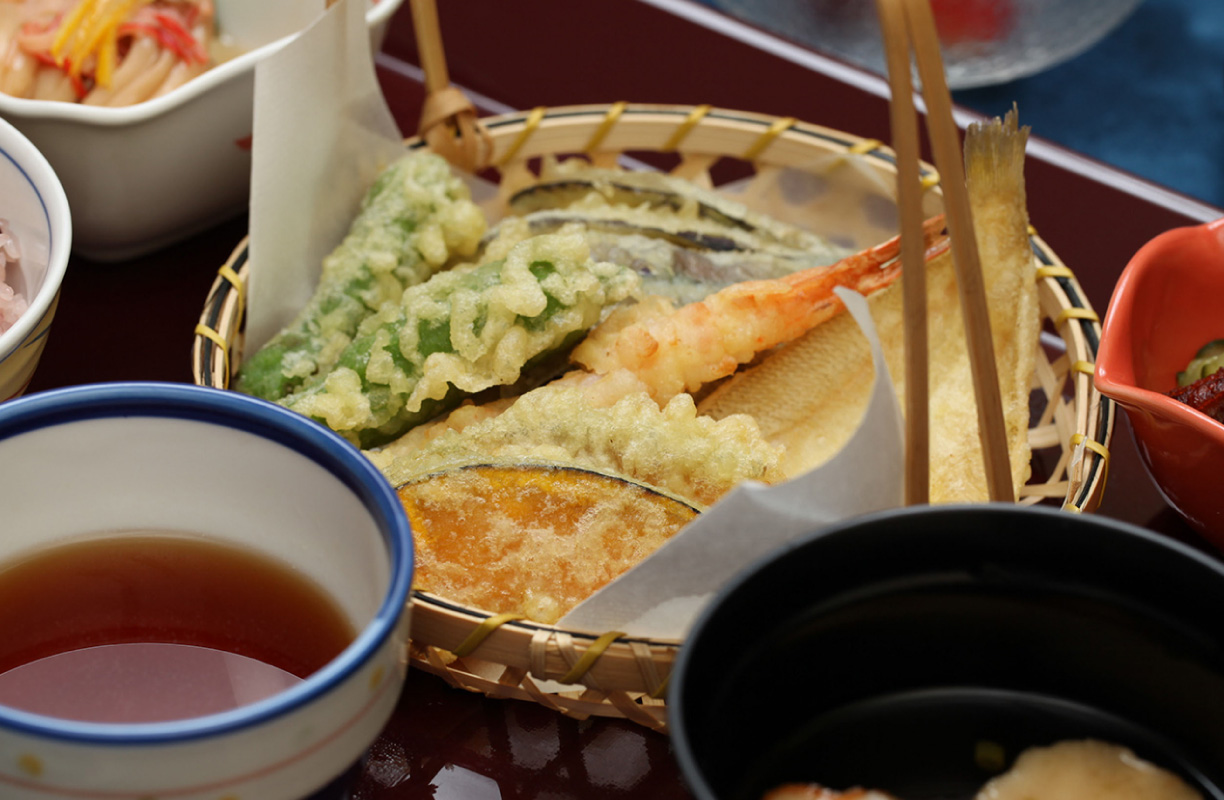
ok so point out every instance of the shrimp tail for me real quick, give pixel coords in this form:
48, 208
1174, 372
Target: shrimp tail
865, 272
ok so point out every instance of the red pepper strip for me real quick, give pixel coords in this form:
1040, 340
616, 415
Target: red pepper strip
170, 37
78, 83
190, 14
1205, 394
188, 42
79, 86
140, 29
164, 38
45, 58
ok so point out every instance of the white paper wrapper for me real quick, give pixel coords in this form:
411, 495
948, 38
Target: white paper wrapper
322, 132
660, 597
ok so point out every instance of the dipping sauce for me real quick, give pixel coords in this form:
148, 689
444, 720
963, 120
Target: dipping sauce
139, 627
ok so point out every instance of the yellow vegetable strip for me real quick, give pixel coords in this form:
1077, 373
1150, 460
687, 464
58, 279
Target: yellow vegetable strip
92, 27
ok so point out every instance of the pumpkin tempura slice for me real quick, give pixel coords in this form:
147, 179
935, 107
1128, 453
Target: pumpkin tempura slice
532, 539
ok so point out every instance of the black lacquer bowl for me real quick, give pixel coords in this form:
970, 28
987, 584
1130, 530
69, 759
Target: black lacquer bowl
906, 651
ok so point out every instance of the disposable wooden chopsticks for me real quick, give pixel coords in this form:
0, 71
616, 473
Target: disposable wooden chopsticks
908, 27
904, 122
448, 119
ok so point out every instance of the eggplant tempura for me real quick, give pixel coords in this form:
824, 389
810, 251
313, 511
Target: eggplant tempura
685, 242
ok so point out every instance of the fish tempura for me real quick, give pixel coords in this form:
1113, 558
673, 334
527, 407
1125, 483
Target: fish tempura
810, 395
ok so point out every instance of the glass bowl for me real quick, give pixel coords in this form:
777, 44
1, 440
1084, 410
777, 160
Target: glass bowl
985, 42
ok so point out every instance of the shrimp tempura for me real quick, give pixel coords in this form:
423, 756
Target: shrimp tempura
674, 351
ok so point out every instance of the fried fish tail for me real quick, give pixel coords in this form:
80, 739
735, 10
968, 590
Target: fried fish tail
412, 221
994, 173
460, 332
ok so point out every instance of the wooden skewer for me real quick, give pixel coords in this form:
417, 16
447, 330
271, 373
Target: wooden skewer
448, 119
919, 33
429, 45
904, 121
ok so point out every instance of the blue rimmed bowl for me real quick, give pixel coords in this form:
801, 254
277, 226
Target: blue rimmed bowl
92, 460
35, 211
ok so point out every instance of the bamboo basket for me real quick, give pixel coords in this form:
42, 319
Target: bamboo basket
579, 674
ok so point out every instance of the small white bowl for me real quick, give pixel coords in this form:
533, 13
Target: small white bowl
143, 176
158, 457
36, 209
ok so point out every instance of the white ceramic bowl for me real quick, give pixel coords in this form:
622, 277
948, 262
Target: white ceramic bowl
36, 209
183, 458
141, 177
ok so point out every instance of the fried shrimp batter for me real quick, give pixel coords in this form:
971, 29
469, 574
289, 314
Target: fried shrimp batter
680, 350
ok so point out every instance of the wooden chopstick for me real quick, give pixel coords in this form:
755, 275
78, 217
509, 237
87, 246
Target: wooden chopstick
449, 122
918, 35
904, 121
429, 45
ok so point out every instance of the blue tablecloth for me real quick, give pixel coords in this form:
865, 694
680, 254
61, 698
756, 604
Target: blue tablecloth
1148, 98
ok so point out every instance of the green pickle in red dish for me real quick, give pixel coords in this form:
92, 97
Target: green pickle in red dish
1201, 384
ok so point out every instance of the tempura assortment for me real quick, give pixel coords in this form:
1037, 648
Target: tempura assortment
632, 325
103, 52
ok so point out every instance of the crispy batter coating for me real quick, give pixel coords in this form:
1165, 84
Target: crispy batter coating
672, 448
413, 220
460, 332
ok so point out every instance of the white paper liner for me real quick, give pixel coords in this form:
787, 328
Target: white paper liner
322, 132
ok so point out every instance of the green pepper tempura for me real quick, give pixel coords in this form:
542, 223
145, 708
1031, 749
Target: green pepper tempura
412, 221
462, 331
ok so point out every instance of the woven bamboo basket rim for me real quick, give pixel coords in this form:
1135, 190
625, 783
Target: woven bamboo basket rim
583, 674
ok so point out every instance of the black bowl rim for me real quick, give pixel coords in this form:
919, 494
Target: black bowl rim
681, 745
